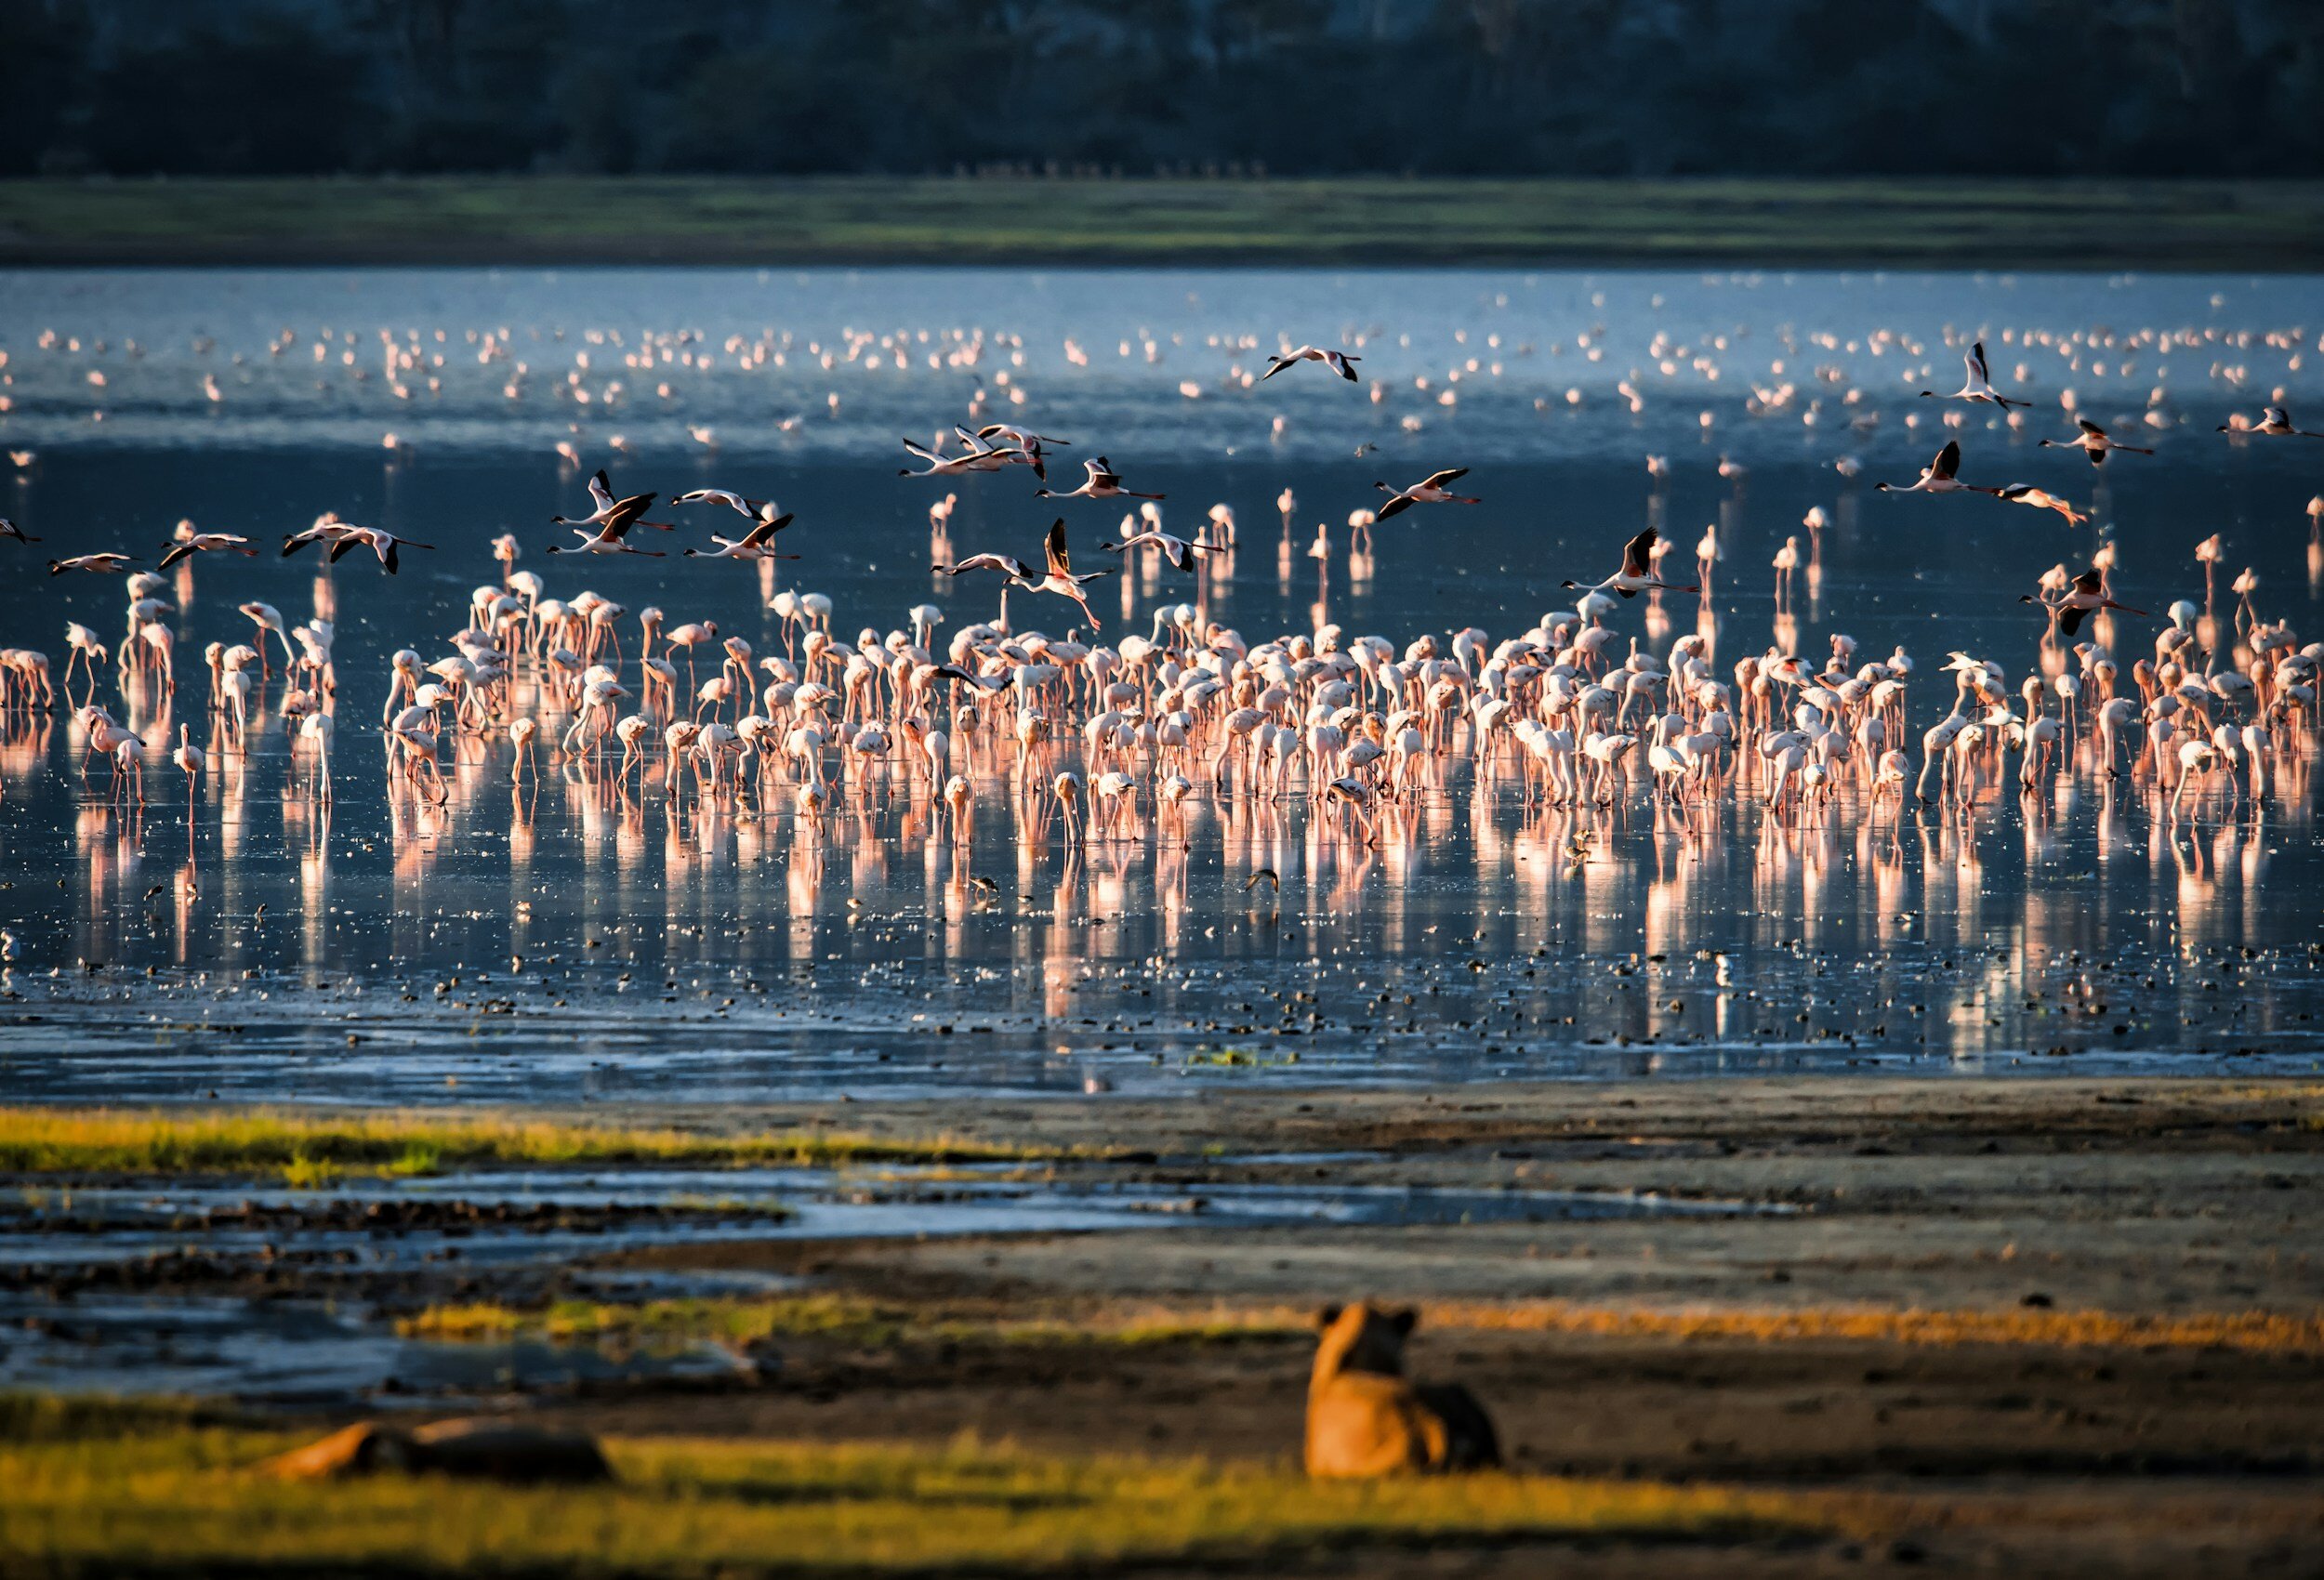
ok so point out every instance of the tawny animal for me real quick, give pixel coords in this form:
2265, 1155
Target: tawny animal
481, 1449
1365, 1418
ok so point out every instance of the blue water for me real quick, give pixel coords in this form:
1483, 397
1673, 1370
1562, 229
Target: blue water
573, 941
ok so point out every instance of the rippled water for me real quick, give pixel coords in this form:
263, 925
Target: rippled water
578, 941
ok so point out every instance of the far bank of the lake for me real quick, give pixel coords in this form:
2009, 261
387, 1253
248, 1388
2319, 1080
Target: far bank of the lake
1728, 223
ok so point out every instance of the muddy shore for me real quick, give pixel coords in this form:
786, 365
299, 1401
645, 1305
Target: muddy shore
1764, 1346
2158, 1198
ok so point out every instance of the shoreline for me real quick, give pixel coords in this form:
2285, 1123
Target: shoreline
1858, 224
2042, 1326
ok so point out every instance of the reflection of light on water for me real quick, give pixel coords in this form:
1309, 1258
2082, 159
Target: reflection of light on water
1458, 872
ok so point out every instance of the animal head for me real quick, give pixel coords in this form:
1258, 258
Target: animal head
1362, 1338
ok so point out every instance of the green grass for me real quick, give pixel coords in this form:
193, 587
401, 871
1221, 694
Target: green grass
853, 1319
181, 1502
308, 1149
1727, 222
856, 1320
74, 1417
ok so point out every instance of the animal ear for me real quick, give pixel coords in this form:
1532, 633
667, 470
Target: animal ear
1328, 1316
1406, 1321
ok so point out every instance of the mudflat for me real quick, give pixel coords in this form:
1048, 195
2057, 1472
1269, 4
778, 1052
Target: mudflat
2072, 1326
2056, 1325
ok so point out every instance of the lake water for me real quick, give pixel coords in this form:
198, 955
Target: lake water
575, 941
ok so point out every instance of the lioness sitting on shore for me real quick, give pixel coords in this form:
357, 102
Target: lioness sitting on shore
1364, 1418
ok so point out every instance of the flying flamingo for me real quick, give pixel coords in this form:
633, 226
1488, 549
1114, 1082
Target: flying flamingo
1978, 385
1636, 574
1938, 476
1338, 361
2088, 593
1103, 482
2094, 439
1434, 488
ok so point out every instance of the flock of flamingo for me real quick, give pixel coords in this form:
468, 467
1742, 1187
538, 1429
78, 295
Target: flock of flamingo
1112, 740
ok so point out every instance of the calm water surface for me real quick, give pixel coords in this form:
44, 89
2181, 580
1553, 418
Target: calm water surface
571, 941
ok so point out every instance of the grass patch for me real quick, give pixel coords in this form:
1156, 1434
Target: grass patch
856, 1320
852, 1319
557, 220
311, 1149
179, 1502
730, 1320
66, 1417
2261, 1332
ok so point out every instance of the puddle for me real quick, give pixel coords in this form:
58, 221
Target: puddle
299, 1352
531, 1215
90, 1296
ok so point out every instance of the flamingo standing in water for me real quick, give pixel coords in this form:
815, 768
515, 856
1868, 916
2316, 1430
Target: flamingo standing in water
192, 759
315, 732
268, 618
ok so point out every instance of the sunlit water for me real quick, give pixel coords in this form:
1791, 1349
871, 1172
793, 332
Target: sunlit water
93, 1291
578, 941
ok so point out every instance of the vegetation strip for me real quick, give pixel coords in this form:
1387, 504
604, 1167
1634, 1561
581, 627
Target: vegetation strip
308, 1147
853, 1319
181, 1501
849, 1318
553, 220
2256, 1330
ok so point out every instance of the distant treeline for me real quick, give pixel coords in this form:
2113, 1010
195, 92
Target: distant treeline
1181, 87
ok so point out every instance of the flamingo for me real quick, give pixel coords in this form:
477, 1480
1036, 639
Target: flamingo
2088, 593
1339, 363
2093, 439
1978, 384
204, 543
1103, 482
1636, 574
1434, 488
1937, 477
191, 760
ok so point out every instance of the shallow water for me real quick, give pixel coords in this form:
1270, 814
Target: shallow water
572, 942
121, 1286
302, 1352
